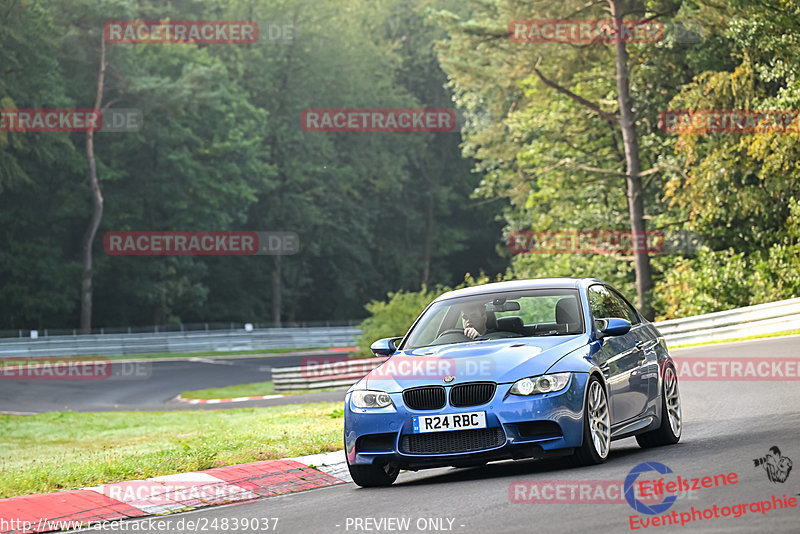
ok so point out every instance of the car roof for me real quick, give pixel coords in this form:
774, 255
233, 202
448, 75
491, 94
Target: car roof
516, 285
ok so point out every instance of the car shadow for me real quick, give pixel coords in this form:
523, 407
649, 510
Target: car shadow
517, 468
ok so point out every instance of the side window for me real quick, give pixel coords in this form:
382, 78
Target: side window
630, 313
598, 297
605, 303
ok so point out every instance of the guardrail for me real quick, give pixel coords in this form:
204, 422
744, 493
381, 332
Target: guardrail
178, 342
320, 372
170, 327
767, 318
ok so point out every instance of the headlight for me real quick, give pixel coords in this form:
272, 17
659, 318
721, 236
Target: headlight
364, 398
357, 385
540, 384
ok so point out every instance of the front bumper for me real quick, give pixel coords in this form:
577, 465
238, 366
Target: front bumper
535, 426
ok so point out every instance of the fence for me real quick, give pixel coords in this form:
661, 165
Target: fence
178, 342
170, 327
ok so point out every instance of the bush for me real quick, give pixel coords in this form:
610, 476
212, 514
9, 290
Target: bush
723, 279
394, 317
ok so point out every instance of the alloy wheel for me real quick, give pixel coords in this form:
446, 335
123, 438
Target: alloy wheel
599, 424
673, 401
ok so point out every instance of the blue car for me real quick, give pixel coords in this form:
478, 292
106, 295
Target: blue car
512, 370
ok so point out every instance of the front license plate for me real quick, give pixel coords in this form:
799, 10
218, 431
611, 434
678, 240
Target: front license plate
450, 421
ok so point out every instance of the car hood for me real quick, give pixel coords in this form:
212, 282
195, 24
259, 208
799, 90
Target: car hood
500, 361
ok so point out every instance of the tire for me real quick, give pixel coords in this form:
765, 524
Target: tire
596, 426
669, 432
373, 476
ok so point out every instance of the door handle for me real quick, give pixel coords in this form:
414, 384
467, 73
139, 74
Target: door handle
643, 354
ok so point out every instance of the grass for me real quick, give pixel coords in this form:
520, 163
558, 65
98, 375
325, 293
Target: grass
256, 389
68, 450
14, 360
757, 336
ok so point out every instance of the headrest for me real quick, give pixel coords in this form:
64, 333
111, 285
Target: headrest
511, 324
491, 321
567, 311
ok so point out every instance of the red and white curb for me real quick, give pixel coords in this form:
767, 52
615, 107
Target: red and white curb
169, 494
220, 401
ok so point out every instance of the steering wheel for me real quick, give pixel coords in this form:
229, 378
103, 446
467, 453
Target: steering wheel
452, 331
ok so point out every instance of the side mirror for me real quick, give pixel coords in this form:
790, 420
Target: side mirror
613, 327
385, 346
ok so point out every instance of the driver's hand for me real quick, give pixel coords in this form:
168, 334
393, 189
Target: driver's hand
471, 333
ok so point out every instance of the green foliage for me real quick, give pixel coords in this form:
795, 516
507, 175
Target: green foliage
739, 190
560, 166
725, 279
222, 149
393, 317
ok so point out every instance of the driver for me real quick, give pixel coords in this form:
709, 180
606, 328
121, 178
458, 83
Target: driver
474, 319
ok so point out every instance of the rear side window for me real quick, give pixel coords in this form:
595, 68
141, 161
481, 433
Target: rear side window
605, 303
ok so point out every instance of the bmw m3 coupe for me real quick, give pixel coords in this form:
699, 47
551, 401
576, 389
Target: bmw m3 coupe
512, 370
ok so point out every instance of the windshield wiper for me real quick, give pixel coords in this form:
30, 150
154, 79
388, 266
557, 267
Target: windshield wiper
555, 333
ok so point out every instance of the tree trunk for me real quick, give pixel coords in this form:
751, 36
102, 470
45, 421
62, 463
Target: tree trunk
644, 280
97, 206
428, 247
276, 291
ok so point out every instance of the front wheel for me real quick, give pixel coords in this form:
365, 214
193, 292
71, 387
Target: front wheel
671, 421
596, 426
371, 476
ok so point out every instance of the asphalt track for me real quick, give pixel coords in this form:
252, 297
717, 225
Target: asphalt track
152, 385
726, 426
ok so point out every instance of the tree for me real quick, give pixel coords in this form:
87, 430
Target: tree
541, 146
97, 204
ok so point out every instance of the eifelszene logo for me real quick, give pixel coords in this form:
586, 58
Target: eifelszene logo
636, 504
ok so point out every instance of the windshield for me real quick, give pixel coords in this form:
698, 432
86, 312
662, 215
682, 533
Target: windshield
529, 313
